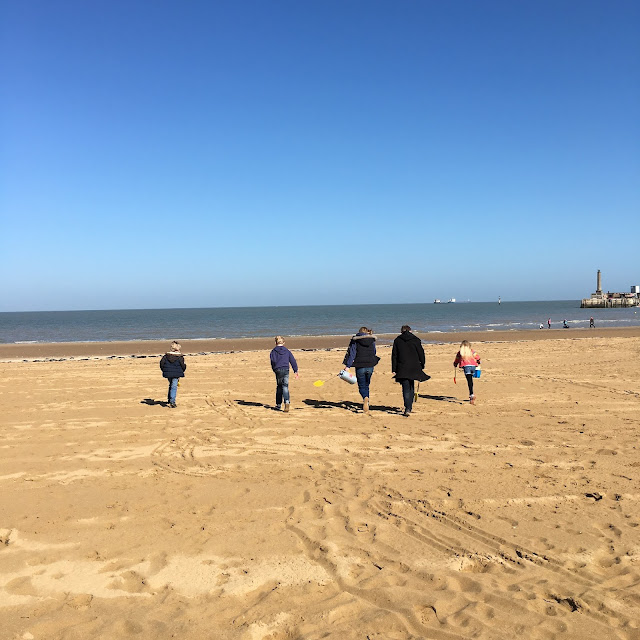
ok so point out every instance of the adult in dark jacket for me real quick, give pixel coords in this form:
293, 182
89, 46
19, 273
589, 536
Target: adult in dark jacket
407, 364
361, 354
173, 368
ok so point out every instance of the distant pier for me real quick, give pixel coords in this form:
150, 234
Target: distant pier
601, 300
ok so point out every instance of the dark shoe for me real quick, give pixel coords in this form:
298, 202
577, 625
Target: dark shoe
172, 405
406, 414
278, 407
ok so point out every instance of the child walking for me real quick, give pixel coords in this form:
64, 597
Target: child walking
173, 367
468, 360
281, 358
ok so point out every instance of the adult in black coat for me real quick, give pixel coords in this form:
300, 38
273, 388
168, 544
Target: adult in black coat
407, 364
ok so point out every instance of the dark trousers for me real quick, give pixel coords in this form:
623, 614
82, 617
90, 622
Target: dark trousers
408, 392
469, 372
469, 377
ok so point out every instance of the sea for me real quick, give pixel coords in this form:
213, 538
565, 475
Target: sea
333, 320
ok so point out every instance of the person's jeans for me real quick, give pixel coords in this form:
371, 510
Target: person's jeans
408, 391
173, 390
363, 376
282, 385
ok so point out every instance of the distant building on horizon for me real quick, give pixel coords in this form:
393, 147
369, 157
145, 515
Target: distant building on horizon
608, 300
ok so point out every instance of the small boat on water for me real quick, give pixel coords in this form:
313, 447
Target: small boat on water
451, 300
436, 301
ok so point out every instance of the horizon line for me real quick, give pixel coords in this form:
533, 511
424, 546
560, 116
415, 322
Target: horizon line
286, 306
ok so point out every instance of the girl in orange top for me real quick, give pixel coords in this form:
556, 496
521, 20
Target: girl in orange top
468, 360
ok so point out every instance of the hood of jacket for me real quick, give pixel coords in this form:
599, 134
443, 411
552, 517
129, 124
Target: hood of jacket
172, 356
407, 336
365, 339
280, 349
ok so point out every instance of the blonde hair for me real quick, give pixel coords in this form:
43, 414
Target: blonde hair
465, 349
279, 340
175, 346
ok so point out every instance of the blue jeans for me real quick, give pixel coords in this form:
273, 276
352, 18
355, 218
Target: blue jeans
173, 390
363, 376
282, 386
408, 392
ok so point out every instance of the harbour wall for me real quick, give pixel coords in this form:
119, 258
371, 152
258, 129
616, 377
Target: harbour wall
609, 303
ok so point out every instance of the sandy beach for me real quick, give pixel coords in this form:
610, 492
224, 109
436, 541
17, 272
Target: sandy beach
225, 519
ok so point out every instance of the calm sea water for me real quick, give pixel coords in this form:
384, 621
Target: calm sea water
241, 322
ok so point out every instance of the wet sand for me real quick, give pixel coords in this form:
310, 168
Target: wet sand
223, 518
30, 351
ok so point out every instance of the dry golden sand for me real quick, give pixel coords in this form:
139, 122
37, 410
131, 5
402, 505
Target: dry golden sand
223, 519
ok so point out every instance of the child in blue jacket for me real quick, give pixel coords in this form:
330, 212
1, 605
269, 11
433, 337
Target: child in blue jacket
173, 367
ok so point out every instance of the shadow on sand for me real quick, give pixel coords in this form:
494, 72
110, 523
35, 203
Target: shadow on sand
440, 398
151, 402
348, 405
248, 403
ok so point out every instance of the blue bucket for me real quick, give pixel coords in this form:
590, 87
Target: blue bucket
477, 372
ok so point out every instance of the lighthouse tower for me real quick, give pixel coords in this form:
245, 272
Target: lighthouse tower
599, 284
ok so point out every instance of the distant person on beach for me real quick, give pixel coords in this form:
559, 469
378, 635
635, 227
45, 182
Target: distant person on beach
468, 360
592, 324
541, 326
549, 323
361, 354
564, 324
173, 368
407, 364
281, 358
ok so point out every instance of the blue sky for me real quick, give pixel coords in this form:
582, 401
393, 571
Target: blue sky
200, 153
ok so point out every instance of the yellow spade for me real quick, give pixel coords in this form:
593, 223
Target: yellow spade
343, 375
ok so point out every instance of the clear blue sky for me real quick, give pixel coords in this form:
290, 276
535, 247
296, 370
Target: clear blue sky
240, 153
